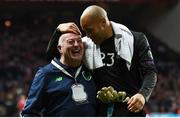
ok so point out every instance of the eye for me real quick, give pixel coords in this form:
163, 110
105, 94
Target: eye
89, 30
79, 41
89, 33
70, 42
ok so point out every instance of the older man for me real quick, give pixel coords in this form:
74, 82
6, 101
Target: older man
65, 86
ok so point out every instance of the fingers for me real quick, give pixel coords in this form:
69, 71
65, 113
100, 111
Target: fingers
112, 94
103, 95
115, 95
126, 99
136, 103
69, 27
132, 104
130, 101
121, 96
77, 29
104, 89
73, 28
107, 94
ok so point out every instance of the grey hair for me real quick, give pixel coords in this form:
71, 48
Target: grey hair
61, 40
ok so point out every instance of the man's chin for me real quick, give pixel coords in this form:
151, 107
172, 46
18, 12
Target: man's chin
76, 59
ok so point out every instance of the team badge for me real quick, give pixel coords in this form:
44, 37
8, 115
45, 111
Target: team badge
87, 75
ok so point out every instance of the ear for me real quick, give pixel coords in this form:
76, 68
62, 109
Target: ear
103, 22
59, 49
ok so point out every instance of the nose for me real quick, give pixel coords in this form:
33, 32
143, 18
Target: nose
76, 43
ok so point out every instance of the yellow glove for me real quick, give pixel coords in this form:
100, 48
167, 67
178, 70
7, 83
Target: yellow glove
101, 95
107, 94
122, 97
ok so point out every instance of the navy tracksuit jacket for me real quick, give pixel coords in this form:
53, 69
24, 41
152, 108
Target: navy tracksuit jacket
51, 95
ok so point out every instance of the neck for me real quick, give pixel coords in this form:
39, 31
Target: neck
70, 63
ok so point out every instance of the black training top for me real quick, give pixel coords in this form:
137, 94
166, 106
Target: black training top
140, 77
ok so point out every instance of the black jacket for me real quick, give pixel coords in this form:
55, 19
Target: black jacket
143, 64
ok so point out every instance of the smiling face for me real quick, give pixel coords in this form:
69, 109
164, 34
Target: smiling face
94, 29
71, 48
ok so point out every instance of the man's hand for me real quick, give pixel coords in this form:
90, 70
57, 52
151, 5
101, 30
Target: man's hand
69, 27
136, 103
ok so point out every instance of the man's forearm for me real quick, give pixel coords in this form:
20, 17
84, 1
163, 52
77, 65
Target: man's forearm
148, 84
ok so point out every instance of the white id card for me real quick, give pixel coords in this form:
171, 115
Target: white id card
78, 93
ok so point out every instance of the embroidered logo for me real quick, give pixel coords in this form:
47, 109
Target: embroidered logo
58, 79
87, 75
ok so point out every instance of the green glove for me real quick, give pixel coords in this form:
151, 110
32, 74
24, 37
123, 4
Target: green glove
107, 94
122, 97
101, 95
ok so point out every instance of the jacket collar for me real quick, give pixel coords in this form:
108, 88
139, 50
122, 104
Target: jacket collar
118, 28
123, 42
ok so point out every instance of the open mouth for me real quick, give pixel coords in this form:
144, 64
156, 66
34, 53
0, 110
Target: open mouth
76, 51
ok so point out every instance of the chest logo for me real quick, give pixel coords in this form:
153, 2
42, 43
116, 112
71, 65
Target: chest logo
86, 75
58, 79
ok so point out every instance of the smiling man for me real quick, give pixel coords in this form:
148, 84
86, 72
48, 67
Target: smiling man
65, 86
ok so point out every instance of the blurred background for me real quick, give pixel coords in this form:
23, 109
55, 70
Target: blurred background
26, 27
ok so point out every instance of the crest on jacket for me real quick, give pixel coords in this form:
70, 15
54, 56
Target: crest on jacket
87, 75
